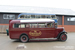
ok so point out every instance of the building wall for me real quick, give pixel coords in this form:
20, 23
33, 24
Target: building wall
69, 26
4, 23
59, 20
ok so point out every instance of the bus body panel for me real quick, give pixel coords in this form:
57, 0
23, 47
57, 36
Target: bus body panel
32, 33
45, 32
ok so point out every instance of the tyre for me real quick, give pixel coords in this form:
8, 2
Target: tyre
24, 38
63, 37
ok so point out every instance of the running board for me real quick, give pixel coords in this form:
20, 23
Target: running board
44, 39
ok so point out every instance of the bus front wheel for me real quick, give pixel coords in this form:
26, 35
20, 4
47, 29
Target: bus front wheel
24, 38
63, 37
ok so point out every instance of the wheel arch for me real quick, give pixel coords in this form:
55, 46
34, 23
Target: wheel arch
63, 32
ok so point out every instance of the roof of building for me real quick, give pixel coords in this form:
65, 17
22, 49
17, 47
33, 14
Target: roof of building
44, 10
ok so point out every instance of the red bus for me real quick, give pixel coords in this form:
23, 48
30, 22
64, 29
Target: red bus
39, 29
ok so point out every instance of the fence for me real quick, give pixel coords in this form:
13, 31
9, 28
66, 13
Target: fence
3, 28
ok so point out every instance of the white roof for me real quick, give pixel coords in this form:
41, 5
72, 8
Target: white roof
46, 10
37, 20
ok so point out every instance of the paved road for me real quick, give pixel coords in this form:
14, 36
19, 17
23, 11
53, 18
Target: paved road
7, 44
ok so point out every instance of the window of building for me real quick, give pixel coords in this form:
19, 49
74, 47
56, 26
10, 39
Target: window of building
8, 16
71, 19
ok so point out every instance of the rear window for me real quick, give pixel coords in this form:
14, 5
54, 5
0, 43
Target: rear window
16, 25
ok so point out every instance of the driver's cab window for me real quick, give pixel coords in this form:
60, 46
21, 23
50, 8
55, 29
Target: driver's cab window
55, 25
50, 25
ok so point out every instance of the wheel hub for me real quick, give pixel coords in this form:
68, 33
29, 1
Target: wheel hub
24, 38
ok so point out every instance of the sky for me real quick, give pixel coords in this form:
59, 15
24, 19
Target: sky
67, 4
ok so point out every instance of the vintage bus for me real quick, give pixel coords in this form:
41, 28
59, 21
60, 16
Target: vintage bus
37, 29
37, 16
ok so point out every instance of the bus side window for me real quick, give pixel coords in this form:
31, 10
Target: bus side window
16, 25
41, 25
22, 25
53, 16
43, 16
27, 25
48, 16
32, 16
22, 16
33, 25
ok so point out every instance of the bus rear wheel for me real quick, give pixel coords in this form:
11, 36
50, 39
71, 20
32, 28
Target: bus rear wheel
63, 37
24, 38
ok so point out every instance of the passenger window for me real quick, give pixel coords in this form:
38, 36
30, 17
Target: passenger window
27, 16
27, 25
37, 16
53, 16
33, 25
32, 16
22, 16
48, 16
41, 25
16, 25
22, 25
43, 16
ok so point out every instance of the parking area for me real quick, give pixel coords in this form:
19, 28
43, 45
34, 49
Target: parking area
7, 44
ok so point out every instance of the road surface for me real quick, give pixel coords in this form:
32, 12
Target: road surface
7, 44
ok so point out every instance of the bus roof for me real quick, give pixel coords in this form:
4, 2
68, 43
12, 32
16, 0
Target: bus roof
38, 20
33, 14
